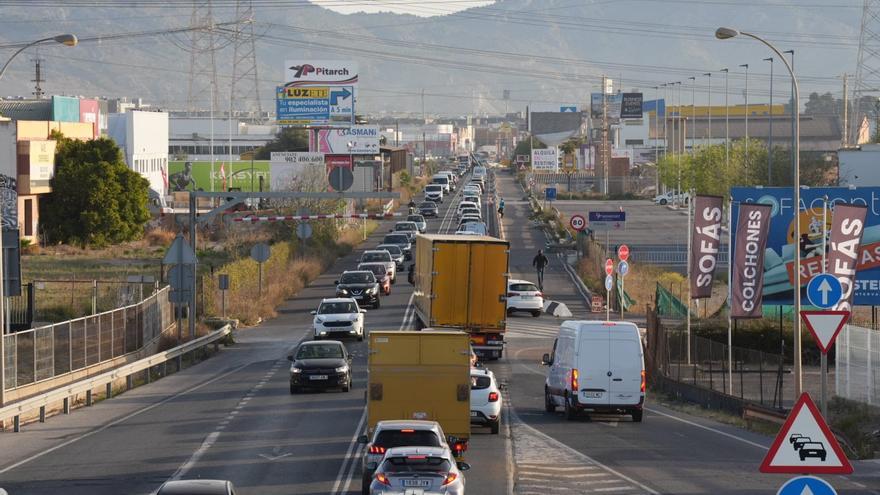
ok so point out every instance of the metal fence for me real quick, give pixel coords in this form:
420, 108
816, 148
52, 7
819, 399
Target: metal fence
46, 352
61, 300
857, 358
757, 377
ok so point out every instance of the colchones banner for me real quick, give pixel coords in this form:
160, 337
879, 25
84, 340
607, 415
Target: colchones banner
705, 243
752, 226
847, 226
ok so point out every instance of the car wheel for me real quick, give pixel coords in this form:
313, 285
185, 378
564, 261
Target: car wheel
293, 390
346, 388
637, 415
510, 311
549, 406
570, 411
377, 304
495, 426
662, 202
536, 313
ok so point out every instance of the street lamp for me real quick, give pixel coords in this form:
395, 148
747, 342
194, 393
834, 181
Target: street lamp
64, 39
709, 87
726, 33
693, 115
770, 139
746, 66
726, 72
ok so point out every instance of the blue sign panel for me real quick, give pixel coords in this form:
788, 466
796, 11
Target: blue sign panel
803, 485
779, 256
824, 291
301, 109
607, 216
550, 194
623, 268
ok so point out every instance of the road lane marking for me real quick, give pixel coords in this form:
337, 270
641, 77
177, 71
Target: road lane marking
122, 419
348, 454
708, 428
197, 455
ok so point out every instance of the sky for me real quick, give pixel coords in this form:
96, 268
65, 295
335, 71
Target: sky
421, 8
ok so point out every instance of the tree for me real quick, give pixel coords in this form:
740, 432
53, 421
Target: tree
289, 139
522, 148
96, 199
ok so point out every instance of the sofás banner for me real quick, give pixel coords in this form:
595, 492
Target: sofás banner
705, 243
847, 226
752, 226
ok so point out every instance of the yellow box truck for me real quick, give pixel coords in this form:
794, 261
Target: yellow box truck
461, 282
420, 376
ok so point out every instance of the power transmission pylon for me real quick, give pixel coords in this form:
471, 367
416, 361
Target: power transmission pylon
868, 69
202, 48
38, 77
244, 90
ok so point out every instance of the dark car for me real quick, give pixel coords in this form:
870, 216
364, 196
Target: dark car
197, 487
429, 209
401, 240
360, 285
320, 365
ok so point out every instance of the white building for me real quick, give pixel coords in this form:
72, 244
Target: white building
143, 137
191, 138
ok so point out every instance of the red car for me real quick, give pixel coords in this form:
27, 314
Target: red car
382, 277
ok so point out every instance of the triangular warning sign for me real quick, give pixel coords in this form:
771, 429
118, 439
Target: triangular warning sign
825, 325
805, 445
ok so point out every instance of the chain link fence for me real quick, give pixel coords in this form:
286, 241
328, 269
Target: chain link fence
52, 350
61, 300
857, 354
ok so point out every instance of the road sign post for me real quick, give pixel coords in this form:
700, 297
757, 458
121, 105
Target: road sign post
623, 252
825, 326
260, 253
578, 222
824, 291
609, 283
622, 270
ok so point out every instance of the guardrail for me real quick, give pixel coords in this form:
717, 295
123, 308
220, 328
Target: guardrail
65, 393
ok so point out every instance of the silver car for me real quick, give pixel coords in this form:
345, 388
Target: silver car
419, 470
196, 487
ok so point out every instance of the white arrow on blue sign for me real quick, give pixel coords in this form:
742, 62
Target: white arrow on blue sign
806, 485
824, 291
623, 268
609, 282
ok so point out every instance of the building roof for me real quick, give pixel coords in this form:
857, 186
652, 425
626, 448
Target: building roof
26, 109
812, 127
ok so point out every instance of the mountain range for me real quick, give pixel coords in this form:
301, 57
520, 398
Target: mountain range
545, 52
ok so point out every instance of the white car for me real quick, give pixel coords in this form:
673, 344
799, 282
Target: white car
466, 204
523, 295
472, 190
381, 256
337, 317
473, 198
485, 399
671, 197
473, 228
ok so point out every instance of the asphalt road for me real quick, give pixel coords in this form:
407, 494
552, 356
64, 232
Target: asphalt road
231, 417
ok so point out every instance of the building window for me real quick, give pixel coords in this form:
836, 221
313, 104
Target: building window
634, 142
28, 217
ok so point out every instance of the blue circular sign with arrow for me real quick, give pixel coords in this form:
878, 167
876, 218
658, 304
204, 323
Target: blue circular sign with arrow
824, 291
806, 485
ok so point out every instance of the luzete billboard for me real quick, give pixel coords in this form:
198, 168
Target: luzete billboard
781, 245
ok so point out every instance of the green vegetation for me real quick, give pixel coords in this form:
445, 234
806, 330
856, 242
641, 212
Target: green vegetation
289, 139
96, 200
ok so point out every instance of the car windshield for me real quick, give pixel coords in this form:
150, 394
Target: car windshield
392, 248
405, 226
433, 188
396, 239
337, 308
358, 278
415, 218
441, 180
416, 464
480, 382
523, 287
376, 257
377, 269
319, 351
407, 437
428, 204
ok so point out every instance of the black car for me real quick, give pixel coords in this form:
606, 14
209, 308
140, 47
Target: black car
320, 365
401, 240
429, 209
360, 285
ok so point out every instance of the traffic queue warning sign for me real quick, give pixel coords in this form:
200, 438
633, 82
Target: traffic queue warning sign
805, 445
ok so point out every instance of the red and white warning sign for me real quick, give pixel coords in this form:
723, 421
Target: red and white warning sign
825, 326
805, 445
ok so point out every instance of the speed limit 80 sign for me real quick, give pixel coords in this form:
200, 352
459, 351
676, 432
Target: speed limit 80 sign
578, 222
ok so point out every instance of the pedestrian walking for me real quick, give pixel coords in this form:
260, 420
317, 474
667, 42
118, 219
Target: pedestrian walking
501, 207
540, 262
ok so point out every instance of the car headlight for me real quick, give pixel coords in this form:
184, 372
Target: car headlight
342, 291
371, 291
342, 369
294, 369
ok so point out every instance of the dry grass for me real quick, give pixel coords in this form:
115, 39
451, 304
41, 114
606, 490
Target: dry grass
160, 237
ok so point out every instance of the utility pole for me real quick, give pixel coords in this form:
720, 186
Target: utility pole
709, 87
747, 111
726, 72
38, 78
845, 112
794, 109
605, 154
770, 138
665, 119
693, 114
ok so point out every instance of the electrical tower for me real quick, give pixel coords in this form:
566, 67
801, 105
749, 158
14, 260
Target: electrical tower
868, 69
203, 64
244, 90
38, 78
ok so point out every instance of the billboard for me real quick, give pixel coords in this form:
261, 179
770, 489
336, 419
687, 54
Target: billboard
317, 92
612, 102
197, 175
89, 112
40, 168
65, 109
355, 140
779, 255
286, 166
545, 160
705, 244
320, 72
631, 106
749, 252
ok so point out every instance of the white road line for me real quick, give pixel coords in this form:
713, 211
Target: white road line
197, 455
120, 420
348, 454
351, 468
407, 314
708, 428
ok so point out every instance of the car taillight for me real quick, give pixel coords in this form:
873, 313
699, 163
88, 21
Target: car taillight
459, 447
539, 294
493, 396
381, 478
375, 449
643, 381
574, 380
407, 430
450, 478
512, 294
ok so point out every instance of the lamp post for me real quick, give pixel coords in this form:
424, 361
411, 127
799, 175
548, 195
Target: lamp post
770, 136
64, 39
727, 33
693, 113
794, 107
746, 66
680, 146
726, 72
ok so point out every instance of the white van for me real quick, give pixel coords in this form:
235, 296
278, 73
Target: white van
442, 180
596, 366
